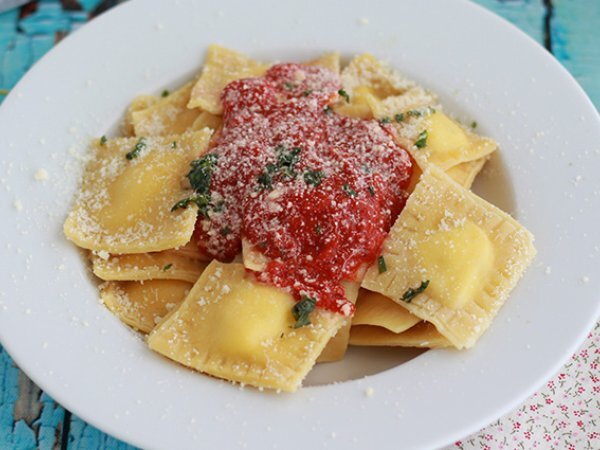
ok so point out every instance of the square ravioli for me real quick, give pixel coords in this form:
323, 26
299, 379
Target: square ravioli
221, 67
142, 305
432, 137
422, 335
232, 327
375, 309
466, 252
129, 187
175, 264
167, 115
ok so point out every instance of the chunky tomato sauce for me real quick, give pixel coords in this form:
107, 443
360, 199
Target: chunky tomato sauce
313, 191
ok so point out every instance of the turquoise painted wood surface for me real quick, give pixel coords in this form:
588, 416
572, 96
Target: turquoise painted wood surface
30, 419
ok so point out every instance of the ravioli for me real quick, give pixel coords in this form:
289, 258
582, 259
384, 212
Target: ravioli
139, 103
221, 67
166, 265
335, 349
471, 253
434, 138
465, 173
330, 61
168, 115
375, 309
124, 204
232, 327
422, 335
142, 305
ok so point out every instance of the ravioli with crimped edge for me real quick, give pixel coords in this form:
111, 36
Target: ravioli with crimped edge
467, 253
230, 326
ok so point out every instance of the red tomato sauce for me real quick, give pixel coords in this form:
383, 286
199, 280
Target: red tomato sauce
314, 191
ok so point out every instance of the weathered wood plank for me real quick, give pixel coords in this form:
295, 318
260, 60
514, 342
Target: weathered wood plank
29, 419
83, 436
528, 15
575, 33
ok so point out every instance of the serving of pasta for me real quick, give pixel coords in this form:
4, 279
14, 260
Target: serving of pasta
262, 217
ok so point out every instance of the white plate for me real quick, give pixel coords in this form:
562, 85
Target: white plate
484, 69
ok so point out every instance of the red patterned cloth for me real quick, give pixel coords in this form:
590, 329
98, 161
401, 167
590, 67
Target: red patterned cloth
564, 414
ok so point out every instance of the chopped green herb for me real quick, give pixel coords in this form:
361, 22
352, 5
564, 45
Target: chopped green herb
414, 113
328, 110
165, 93
385, 120
287, 160
422, 139
174, 144
399, 117
139, 146
218, 207
413, 292
307, 92
473, 124
348, 190
302, 310
265, 180
103, 140
201, 200
381, 265
371, 191
225, 231
313, 177
318, 230
289, 86
201, 172
167, 267
344, 94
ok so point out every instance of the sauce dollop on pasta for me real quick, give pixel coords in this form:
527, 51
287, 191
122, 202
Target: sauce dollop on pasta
314, 191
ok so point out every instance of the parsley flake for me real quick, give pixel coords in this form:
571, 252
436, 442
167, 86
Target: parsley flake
344, 94
474, 124
302, 310
165, 93
421, 139
139, 146
167, 267
371, 191
381, 265
289, 86
201, 200
225, 231
313, 177
413, 292
328, 110
174, 144
199, 177
318, 230
399, 117
385, 120
201, 172
348, 190
103, 140
265, 180
307, 92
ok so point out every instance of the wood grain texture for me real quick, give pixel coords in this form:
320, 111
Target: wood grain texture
30, 419
575, 32
528, 15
